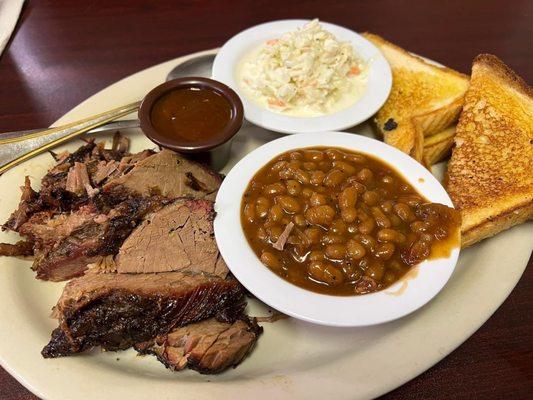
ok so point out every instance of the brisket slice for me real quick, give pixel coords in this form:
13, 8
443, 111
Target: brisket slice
171, 175
116, 311
99, 236
176, 237
208, 347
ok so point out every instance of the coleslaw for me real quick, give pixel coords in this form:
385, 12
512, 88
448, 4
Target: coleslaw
307, 73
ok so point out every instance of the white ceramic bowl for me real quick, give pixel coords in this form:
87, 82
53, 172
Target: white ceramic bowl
377, 88
408, 294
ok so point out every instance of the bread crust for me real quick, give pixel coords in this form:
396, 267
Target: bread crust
505, 73
382, 41
427, 114
490, 174
496, 224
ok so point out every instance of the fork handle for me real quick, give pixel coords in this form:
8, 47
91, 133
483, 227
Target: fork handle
14, 150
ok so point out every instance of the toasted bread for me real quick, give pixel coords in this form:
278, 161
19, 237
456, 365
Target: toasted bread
425, 99
490, 174
437, 147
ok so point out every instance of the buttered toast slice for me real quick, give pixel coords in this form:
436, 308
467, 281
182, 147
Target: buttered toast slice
424, 99
438, 146
490, 174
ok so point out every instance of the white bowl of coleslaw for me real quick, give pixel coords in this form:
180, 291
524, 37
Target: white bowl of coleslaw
300, 76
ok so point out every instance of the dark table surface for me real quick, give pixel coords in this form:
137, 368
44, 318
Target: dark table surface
63, 51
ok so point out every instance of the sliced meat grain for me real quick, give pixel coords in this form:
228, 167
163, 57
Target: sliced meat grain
177, 237
208, 346
169, 174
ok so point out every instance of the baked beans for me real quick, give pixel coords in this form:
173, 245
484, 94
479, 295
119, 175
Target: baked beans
341, 223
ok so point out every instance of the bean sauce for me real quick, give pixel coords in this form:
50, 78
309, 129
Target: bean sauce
342, 223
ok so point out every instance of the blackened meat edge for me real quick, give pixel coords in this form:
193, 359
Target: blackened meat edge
136, 308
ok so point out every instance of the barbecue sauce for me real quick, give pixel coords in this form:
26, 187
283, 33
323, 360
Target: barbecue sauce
191, 115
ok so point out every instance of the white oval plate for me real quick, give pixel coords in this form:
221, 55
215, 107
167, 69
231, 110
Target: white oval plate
405, 296
376, 92
293, 359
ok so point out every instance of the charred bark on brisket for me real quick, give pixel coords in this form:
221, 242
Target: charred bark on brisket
53, 195
116, 311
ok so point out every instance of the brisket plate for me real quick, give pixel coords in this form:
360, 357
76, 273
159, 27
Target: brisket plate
208, 347
158, 281
92, 199
116, 311
177, 237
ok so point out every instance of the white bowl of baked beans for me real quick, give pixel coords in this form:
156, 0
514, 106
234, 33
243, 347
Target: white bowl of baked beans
337, 229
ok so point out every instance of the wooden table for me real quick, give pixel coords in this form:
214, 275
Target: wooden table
64, 51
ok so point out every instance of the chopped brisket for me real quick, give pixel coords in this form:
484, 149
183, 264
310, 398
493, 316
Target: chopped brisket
26, 207
78, 181
78, 177
46, 228
208, 346
59, 157
120, 143
105, 170
128, 162
176, 237
55, 195
116, 311
22, 248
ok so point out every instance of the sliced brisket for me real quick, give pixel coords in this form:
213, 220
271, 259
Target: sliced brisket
171, 175
99, 236
208, 347
115, 311
73, 222
177, 237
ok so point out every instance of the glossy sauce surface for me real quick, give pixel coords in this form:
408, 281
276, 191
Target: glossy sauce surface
191, 114
342, 223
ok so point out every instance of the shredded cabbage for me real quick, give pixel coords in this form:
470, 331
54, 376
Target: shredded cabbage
306, 68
